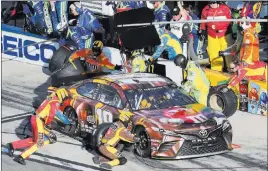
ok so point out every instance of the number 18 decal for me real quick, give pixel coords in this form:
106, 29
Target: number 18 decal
104, 116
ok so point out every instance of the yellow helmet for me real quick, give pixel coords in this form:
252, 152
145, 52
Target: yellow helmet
125, 115
135, 52
97, 47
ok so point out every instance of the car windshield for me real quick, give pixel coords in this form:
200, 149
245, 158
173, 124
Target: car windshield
157, 98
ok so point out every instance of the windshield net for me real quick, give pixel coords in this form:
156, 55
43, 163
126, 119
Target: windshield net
157, 98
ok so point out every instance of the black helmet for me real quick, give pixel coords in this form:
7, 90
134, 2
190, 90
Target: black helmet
97, 48
181, 61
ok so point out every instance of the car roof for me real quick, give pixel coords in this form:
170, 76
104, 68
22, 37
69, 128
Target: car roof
136, 80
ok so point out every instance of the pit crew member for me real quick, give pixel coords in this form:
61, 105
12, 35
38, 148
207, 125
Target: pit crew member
118, 131
197, 83
170, 43
243, 70
82, 33
59, 15
40, 121
95, 58
137, 62
161, 13
41, 18
217, 32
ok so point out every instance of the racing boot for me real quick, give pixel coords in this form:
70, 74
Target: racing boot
106, 166
20, 160
10, 148
96, 160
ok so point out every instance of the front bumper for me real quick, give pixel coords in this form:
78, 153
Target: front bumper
191, 146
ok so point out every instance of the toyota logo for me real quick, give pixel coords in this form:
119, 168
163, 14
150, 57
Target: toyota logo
203, 133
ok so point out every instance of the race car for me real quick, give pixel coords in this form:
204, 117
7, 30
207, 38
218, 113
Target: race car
170, 123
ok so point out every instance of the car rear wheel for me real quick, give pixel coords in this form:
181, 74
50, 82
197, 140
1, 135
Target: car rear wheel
144, 147
74, 129
223, 100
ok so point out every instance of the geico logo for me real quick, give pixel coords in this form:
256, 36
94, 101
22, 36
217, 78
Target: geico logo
34, 52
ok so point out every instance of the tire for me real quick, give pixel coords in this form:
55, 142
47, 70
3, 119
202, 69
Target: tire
100, 132
223, 99
60, 56
74, 129
67, 75
144, 148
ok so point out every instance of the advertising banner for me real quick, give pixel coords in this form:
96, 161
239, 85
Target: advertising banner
258, 98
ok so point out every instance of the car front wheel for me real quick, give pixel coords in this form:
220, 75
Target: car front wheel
143, 148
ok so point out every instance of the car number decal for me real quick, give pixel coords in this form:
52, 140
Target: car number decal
104, 116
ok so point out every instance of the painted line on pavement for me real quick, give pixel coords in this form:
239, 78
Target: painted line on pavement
57, 162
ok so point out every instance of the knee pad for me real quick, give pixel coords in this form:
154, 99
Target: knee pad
122, 160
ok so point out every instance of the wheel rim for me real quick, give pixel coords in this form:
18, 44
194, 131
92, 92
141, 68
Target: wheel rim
143, 140
72, 117
216, 102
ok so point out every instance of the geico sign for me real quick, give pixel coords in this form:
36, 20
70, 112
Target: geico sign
34, 52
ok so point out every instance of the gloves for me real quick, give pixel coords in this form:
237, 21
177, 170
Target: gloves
118, 67
73, 22
61, 93
202, 34
52, 138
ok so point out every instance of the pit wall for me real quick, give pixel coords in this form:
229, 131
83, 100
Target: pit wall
19, 45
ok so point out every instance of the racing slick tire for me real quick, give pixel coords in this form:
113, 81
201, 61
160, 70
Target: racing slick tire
68, 74
60, 56
143, 148
100, 132
223, 99
74, 129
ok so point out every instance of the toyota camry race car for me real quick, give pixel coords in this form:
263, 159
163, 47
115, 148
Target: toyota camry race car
169, 122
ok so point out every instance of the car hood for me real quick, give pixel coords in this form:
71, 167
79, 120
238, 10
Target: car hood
181, 115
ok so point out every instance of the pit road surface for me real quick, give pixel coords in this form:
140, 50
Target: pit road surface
24, 85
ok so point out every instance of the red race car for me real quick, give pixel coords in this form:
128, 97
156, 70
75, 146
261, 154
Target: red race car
168, 121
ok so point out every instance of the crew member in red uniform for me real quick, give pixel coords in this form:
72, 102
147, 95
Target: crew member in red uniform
217, 31
43, 117
250, 67
95, 57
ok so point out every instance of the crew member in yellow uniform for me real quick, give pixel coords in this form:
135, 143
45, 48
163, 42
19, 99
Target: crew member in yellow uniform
116, 133
137, 62
197, 83
43, 117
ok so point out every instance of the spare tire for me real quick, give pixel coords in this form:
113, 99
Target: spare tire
60, 56
68, 74
223, 99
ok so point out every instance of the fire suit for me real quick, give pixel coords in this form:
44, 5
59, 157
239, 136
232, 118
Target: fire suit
82, 33
43, 117
138, 64
217, 33
41, 18
59, 15
162, 13
254, 71
197, 84
110, 155
95, 65
171, 44
249, 51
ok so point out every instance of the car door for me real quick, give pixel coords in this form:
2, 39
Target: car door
109, 103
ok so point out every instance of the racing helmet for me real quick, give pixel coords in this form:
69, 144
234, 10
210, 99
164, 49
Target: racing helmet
97, 48
181, 61
125, 116
135, 53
